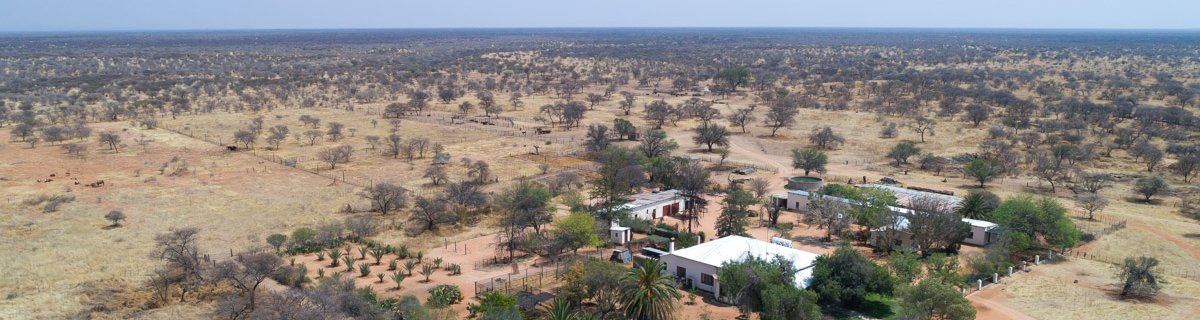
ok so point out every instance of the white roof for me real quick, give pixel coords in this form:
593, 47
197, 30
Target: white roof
905, 195
735, 248
643, 200
980, 223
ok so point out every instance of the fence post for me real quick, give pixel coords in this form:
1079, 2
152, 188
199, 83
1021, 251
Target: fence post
1010, 271
979, 284
1037, 259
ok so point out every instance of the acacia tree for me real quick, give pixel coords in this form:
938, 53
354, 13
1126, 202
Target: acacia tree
742, 117
983, 170
827, 213
1091, 203
116, 217
734, 77
923, 125
431, 212
902, 151
112, 139
247, 273
825, 138
781, 114
385, 197
734, 212
436, 174
1139, 277
1150, 186
809, 160
656, 144
620, 174
710, 135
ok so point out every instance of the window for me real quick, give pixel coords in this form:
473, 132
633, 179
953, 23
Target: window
681, 272
706, 279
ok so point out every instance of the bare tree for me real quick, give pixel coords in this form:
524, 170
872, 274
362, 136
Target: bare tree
385, 197
112, 139
334, 130
336, 155
781, 114
1091, 202
436, 174
742, 117
825, 138
828, 213
178, 249
923, 125
431, 212
247, 273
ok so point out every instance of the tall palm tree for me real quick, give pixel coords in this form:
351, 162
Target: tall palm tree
648, 292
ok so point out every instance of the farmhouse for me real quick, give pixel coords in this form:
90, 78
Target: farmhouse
655, 204
982, 232
697, 266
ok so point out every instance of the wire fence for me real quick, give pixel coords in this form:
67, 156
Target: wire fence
534, 277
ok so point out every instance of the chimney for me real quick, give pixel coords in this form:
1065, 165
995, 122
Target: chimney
671, 247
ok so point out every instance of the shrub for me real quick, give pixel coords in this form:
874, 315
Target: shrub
402, 251
444, 295
454, 269
364, 269
320, 273
1139, 277
437, 263
392, 265
349, 263
335, 256
426, 270
409, 265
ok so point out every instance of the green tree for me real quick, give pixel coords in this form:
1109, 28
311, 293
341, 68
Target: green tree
767, 287
710, 134
736, 209
734, 77
302, 236
845, 277
577, 230
276, 240
1150, 186
904, 266
902, 151
620, 174
983, 170
648, 292
933, 299
496, 305
978, 204
809, 159
1139, 277
1027, 219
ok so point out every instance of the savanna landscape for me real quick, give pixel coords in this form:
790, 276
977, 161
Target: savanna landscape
462, 173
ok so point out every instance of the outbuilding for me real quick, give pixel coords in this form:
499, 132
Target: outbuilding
697, 266
656, 204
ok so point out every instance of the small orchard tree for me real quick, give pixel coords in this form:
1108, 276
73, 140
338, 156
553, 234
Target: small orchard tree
116, 217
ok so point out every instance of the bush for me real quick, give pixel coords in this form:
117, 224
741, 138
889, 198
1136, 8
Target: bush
392, 265
364, 269
454, 269
443, 296
639, 225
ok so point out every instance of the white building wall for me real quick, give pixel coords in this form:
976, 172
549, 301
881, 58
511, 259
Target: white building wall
656, 211
797, 202
694, 269
978, 236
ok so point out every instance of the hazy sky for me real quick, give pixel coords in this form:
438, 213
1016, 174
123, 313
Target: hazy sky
76, 15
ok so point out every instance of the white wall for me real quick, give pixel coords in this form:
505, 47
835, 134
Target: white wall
694, 269
797, 202
656, 211
978, 236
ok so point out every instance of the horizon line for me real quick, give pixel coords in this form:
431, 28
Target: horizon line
235, 29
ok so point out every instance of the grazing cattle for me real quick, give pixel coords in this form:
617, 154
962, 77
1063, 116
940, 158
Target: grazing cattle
96, 184
231, 148
51, 175
542, 130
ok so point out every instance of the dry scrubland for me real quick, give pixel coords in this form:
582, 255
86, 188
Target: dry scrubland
59, 263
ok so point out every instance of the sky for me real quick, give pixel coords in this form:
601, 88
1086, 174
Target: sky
109, 15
